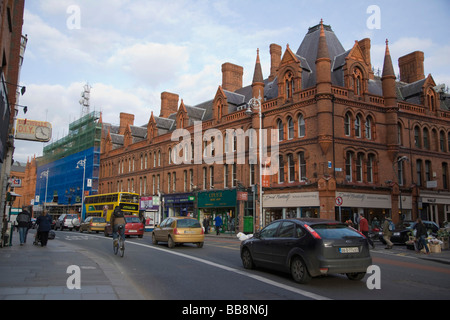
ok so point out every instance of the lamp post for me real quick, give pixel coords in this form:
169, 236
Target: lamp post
255, 104
45, 174
82, 163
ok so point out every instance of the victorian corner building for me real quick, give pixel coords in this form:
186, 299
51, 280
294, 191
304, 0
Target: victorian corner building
350, 141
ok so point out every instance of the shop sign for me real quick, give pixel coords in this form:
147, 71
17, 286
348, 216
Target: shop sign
217, 198
365, 200
149, 203
299, 199
177, 198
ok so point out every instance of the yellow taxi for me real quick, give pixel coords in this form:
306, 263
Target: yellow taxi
179, 230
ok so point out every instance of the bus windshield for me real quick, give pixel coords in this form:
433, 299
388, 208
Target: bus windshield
127, 197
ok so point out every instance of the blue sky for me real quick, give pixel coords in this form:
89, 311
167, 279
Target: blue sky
132, 50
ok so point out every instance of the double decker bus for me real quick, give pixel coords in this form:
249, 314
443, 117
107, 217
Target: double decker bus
102, 205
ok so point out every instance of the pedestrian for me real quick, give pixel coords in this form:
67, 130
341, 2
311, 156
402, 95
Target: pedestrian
44, 223
117, 219
421, 234
364, 228
23, 220
387, 233
217, 224
206, 224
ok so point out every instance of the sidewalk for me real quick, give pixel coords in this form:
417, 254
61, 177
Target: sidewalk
32, 272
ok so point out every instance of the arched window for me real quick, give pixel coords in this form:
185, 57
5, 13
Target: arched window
347, 124
290, 123
301, 166
358, 126
430, 99
358, 78
289, 83
426, 139
368, 128
442, 141
370, 168
359, 167
301, 126
399, 134
280, 130
417, 141
349, 166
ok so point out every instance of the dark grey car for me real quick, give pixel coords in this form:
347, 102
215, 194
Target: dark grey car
308, 248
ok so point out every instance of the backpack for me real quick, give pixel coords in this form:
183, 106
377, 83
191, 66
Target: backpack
391, 226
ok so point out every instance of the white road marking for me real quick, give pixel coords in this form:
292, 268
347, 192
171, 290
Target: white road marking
234, 270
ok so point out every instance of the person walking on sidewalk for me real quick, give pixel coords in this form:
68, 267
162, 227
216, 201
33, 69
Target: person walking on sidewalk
23, 220
44, 223
421, 234
364, 228
217, 224
387, 233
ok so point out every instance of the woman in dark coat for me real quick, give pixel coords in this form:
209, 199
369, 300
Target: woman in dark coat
44, 223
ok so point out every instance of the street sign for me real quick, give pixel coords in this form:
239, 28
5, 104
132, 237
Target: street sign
339, 201
32, 130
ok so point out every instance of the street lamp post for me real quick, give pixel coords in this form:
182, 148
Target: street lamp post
255, 104
45, 174
82, 163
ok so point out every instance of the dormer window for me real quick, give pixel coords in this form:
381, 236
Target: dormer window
289, 82
357, 75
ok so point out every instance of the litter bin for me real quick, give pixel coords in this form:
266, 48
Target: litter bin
248, 224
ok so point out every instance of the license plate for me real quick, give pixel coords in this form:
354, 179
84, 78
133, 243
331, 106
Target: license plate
349, 250
190, 232
132, 230
397, 234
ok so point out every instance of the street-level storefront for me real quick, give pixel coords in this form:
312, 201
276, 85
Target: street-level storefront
434, 206
178, 204
373, 206
219, 203
290, 205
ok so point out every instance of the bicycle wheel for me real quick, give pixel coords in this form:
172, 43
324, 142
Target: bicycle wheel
121, 246
116, 247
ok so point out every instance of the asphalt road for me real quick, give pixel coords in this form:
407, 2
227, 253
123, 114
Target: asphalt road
215, 272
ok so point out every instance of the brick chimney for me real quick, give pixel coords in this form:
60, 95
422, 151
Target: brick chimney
411, 67
275, 60
169, 104
126, 120
232, 76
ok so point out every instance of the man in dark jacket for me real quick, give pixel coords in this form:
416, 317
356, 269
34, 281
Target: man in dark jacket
23, 221
421, 234
44, 223
117, 219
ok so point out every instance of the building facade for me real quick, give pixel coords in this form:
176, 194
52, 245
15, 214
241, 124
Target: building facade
349, 142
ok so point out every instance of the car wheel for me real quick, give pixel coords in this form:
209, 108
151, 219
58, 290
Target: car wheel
171, 243
199, 244
356, 276
299, 271
247, 259
154, 241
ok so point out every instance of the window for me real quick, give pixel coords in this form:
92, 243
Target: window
225, 175
445, 175
286, 230
270, 230
290, 128
252, 174
191, 177
400, 172
301, 126
348, 166
234, 175
280, 130
302, 166
204, 178
170, 155
417, 137
368, 127
370, 163
169, 182
289, 82
185, 179
291, 166
419, 172
357, 74
426, 139
442, 141
211, 177
399, 134
428, 170
359, 167
347, 124
281, 170
358, 126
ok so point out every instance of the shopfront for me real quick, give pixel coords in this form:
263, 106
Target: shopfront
178, 204
435, 206
219, 203
290, 205
374, 207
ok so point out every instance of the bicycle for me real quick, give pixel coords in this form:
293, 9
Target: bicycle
120, 245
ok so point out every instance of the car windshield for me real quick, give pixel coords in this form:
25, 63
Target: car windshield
98, 220
188, 223
335, 231
132, 219
71, 216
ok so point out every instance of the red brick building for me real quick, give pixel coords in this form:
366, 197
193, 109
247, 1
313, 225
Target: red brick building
349, 141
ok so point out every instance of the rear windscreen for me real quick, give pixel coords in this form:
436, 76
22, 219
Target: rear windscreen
99, 220
188, 223
132, 219
334, 231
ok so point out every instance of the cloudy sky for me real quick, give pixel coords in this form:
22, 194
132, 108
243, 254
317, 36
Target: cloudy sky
130, 51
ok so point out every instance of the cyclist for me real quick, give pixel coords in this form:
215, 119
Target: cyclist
117, 219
